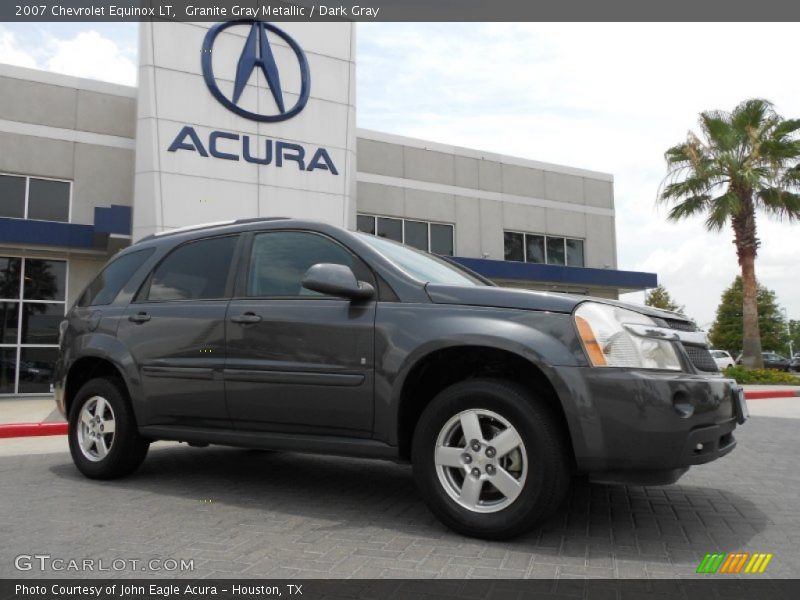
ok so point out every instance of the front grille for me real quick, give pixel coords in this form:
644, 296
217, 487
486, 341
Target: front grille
701, 358
680, 324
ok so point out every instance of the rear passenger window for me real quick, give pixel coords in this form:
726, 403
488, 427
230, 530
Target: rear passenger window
113, 278
195, 271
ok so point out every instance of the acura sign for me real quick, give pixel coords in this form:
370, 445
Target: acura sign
256, 54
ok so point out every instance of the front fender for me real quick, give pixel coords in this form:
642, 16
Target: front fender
407, 334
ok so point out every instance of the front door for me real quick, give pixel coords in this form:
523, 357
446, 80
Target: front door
298, 361
175, 330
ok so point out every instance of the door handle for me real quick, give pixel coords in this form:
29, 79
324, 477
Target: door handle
139, 317
246, 318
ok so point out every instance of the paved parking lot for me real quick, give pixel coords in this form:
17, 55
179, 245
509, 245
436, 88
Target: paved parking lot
240, 513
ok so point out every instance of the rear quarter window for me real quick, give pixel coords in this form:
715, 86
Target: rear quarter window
106, 286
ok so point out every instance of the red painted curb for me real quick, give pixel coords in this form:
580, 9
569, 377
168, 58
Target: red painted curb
766, 394
13, 430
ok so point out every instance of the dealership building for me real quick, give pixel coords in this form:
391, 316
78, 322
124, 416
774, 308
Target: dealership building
241, 120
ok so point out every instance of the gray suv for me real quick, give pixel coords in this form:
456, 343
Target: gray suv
282, 334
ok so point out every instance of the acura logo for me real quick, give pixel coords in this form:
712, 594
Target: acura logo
256, 53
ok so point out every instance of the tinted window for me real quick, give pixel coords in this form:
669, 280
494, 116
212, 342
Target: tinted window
279, 261
12, 196
111, 280
535, 248
8, 370
40, 322
366, 224
555, 251
442, 239
45, 279
575, 253
9, 322
48, 200
514, 249
36, 366
390, 228
417, 235
10, 269
421, 266
194, 271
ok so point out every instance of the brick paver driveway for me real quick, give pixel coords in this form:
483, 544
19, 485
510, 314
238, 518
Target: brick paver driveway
240, 513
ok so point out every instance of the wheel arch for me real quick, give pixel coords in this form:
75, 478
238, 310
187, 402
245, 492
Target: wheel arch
88, 367
445, 366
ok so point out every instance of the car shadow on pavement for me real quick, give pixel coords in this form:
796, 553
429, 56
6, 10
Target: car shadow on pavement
308, 497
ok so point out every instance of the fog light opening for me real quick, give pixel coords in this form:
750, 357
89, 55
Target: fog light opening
682, 404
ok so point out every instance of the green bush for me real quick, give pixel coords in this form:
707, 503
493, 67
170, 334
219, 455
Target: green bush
763, 376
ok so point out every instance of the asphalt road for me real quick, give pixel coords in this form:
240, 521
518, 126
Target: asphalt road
238, 513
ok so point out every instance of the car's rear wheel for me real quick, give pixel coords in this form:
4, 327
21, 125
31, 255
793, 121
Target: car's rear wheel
489, 458
103, 438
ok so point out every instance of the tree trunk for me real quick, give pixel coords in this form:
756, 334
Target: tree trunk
751, 340
744, 230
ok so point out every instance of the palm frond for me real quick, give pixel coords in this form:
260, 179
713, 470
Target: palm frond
721, 209
750, 114
688, 207
717, 127
780, 203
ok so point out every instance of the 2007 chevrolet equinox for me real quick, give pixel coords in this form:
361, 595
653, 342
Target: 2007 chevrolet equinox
294, 335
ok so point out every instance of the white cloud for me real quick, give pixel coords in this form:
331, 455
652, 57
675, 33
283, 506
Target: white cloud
86, 54
11, 54
89, 54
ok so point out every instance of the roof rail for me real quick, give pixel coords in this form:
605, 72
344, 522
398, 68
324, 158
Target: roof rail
211, 225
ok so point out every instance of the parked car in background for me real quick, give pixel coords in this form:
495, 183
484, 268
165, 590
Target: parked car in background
772, 360
794, 364
722, 358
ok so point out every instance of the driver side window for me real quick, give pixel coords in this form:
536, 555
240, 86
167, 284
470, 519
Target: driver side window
279, 261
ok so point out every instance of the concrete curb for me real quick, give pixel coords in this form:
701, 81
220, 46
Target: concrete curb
767, 394
14, 430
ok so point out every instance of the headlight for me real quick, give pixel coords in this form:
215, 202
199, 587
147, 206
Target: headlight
616, 337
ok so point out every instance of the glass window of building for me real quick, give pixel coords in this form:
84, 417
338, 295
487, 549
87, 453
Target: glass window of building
543, 249
32, 305
574, 253
34, 198
436, 238
12, 196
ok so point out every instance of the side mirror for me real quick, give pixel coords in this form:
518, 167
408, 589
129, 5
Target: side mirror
337, 280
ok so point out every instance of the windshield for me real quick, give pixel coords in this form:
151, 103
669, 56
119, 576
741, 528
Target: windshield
420, 265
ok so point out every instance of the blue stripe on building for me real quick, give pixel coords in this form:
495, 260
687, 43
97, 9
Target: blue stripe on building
520, 271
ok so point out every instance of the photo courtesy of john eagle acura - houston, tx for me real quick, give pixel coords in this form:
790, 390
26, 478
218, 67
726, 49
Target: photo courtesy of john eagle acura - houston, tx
283, 334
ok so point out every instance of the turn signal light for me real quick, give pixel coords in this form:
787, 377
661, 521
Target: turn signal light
591, 344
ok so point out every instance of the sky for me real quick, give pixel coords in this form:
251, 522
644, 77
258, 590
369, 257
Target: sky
606, 97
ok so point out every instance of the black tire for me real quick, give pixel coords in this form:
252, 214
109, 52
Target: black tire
127, 448
548, 471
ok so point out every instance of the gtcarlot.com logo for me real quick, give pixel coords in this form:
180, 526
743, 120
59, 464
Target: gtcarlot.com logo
47, 562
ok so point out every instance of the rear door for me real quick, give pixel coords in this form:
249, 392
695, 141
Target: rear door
175, 331
298, 361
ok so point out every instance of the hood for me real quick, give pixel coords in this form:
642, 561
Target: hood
501, 297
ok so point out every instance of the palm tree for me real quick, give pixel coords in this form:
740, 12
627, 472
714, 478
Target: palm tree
744, 161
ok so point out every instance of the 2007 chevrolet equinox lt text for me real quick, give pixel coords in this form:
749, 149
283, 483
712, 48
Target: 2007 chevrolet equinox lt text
294, 335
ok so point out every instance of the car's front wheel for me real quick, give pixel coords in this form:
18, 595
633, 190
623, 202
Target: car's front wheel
489, 458
103, 438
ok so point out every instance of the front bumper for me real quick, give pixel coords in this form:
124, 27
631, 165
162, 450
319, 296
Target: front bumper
647, 426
